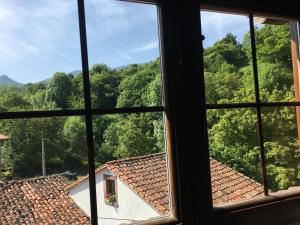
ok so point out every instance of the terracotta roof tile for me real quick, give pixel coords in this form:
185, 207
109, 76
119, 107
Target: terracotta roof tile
42, 200
147, 176
229, 185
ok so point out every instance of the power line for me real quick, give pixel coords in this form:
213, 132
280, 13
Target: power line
65, 150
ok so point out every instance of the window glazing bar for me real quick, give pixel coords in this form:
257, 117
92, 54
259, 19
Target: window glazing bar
128, 110
258, 105
88, 111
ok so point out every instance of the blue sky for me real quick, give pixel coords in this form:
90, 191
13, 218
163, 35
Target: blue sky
38, 38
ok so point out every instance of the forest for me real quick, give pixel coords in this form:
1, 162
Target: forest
232, 133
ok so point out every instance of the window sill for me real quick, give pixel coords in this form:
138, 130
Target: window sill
272, 198
278, 208
159, 221
114, 204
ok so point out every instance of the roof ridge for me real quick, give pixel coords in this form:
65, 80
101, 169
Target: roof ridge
30, 179
134, 158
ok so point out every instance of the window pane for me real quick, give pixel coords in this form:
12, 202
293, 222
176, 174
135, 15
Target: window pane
227, 65
29, 193
124, 54
235, 155
39, 55
282, 148
274, 59
131, 147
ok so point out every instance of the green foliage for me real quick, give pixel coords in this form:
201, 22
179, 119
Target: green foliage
272, 43
226, 53
232, 133
59, 90
104, 87
142, 87
133, 135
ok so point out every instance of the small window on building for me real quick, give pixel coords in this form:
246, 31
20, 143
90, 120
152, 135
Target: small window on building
110, 194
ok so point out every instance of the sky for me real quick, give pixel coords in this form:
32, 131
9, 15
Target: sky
41, 37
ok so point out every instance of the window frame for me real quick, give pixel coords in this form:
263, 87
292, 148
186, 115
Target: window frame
185, 116
278, 208
107, 179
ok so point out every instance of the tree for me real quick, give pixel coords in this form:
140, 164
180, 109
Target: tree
104, 88
227, 50
59, 90
273, 44
136, 137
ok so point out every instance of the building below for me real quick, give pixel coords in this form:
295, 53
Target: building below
128, 191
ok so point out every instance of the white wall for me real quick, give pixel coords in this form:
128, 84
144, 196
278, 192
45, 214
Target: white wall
130, 207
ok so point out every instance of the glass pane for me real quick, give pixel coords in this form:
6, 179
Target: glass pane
282, 148
235, 155
227, 65
39, 160
274, 59
124, 54
39, 55
131, 152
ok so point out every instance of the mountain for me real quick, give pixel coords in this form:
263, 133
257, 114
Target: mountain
75, 72
4, 79
125, 66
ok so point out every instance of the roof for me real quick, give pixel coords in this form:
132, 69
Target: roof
3, 137
42, 200
229, 185
147, 176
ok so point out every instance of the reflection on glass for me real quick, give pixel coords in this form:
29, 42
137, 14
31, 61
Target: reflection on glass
39, 159
227, 64
39, 55
282, 149
123, 53
235, 156
274, 59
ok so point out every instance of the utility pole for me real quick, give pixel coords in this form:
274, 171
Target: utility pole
43, 158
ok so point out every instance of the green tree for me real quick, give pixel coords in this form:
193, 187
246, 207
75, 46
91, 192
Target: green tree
59, 90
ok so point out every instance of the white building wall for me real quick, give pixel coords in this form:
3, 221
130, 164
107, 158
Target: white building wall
131, 207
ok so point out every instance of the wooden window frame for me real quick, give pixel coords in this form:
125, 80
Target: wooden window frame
279, 208
184, 108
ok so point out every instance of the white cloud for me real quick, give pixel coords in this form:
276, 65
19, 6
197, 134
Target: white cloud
32, 27
146, 47
216, 25
124, 55
110, 18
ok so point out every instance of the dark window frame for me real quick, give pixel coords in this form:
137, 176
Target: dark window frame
279, 208
185, 113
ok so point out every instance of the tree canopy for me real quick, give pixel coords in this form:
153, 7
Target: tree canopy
232, 132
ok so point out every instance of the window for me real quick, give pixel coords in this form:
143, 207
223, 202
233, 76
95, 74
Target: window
107, 107
248, 125
255, 66
110, 190
66, 133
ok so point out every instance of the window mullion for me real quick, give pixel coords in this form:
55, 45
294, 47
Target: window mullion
258, 105
88, 111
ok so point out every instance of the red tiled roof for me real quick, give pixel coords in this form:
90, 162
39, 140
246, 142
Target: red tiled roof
3, 137
229, 185
42, 200
147, 176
